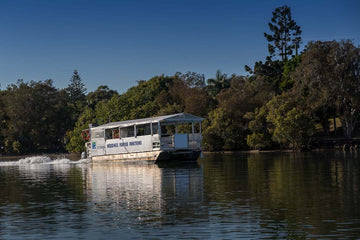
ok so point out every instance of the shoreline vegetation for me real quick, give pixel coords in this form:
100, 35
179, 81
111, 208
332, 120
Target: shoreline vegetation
297, 100
76, 156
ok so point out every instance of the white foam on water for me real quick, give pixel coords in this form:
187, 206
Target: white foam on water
9, 164
34, 160
81, 161
43, 160
60, 161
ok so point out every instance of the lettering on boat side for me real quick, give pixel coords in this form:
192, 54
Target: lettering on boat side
123, 144
112, 145
135, 143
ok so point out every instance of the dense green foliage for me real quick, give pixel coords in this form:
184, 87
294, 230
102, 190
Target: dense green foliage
278, 105
35, 116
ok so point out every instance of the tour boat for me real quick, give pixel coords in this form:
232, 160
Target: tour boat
176, 136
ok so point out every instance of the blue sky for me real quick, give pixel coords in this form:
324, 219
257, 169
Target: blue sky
116, 43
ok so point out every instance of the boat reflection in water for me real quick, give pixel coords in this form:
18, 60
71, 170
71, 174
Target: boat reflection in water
146, 193
231, 196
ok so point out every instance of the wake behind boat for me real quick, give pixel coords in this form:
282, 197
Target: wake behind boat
176, 136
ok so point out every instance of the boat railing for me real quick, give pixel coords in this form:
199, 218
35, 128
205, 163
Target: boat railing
194, 140
167, 141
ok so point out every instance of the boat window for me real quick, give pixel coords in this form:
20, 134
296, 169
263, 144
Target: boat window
143, 129
184, 128
112, 133
127, 132
98, 134
167, 130
155, 128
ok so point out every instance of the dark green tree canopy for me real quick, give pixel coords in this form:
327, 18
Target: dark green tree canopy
34, 116
285, 33
103, 92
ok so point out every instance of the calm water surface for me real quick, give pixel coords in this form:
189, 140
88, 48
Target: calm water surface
249, 196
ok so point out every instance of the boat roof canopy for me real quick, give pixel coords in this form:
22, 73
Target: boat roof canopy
178, 118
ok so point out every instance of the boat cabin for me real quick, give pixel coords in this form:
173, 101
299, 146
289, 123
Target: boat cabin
157, 137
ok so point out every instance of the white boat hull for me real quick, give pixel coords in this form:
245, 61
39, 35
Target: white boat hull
141, 156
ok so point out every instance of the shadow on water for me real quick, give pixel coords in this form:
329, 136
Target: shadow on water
178, 164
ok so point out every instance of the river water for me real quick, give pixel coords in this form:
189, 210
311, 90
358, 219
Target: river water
223, 196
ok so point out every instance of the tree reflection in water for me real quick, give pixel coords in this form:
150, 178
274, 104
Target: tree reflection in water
266, 195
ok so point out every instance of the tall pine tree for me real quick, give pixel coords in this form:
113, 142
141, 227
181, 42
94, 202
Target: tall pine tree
76, 88
285, 36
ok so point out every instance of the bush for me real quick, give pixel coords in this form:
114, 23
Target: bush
296, 129
17, 147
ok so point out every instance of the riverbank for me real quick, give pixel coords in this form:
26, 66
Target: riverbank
337, 143
318, 144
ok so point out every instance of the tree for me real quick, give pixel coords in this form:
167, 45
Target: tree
75, 142
197, 102
215, 85
285, 121
192, 79
328, 79
76, 97
287, 80
345, 57
296, 128
260, 136
270, 72
36, 116
188, 94
76, 88
228, 123
103, 92
3, 121
285, 36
